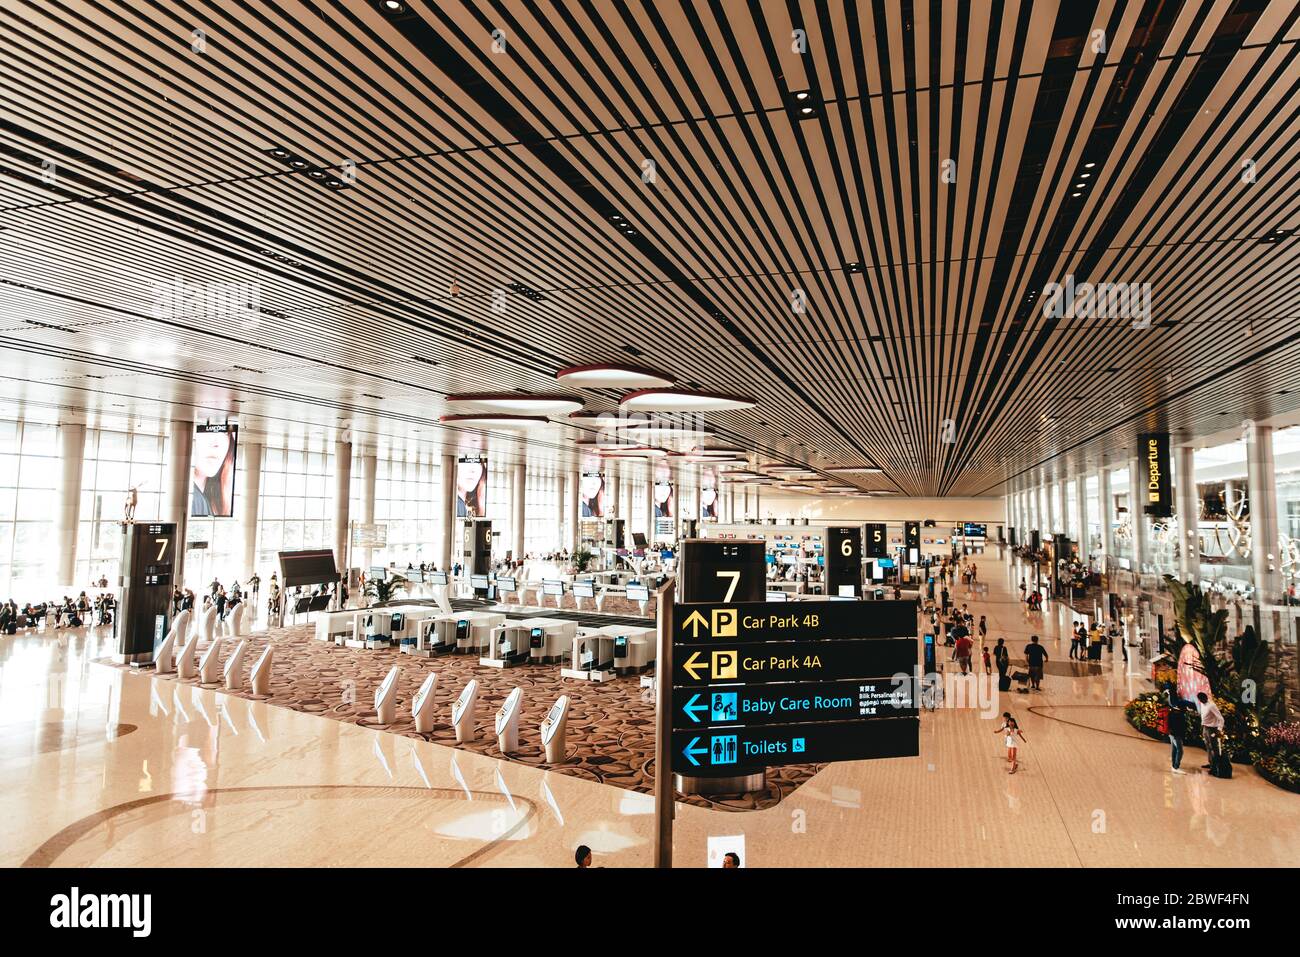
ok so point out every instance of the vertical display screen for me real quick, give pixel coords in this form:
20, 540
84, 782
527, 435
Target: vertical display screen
212, 471
471, 487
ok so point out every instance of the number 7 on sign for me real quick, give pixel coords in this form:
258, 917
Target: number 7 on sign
731, 589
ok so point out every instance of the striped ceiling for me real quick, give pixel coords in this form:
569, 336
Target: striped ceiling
871, 272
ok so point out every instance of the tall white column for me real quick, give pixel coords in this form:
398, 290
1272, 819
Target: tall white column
1062, 508
558, 543
1105, 510
369, 474
1137, 513
650, 504
342, 501
1081, 513
72, 451
250, 454
176, 488
518, 510
447, 513
575, 519
1261, 487
1188, 510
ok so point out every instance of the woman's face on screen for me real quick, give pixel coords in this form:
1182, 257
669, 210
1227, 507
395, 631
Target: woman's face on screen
210, 450
468, 476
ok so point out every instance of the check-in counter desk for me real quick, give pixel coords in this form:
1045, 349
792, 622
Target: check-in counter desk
407, 635
548, 640
634, 648
336, 627
479, 633
591, 656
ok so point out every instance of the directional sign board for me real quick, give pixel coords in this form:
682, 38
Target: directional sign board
806, 701
769, 683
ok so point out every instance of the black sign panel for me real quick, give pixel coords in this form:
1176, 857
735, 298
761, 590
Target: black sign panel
767, 662
844, 560
722, 570
1156, 491
876, 543
148, 556
719, 749
803, 621
912, 534
786, 703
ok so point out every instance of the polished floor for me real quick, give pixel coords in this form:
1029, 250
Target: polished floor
103, 767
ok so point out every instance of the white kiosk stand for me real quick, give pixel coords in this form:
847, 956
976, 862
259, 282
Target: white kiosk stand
241, 619
208, 623
464, 713
422, 704
234, 670
186, 667
554, 727
210, 665
260, 676
507, 722
386, 697
164, 659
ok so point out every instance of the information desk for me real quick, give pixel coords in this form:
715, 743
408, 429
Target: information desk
548, 640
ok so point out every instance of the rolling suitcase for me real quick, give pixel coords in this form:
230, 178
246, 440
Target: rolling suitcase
1004, 682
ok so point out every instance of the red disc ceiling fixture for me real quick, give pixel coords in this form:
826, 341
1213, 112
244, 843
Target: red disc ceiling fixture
495, 421
611, 375
520, 403
683, 400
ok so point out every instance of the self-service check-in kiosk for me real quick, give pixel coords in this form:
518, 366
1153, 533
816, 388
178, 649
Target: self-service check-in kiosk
507, 722
464, 717
336, 627
435, 635
405, 627
554, 728
260, 677
547, 640
552, 588
234, 669
186, 661
506, 647
634, 648
583, 590
422, 709
386, 697
592, 657
210, 665
479, 634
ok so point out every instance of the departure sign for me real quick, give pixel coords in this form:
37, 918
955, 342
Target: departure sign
1157, 494
771, 683
877, 539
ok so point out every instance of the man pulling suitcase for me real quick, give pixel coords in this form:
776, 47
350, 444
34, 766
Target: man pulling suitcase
1216, 753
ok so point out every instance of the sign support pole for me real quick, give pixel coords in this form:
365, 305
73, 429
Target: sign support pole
664, 728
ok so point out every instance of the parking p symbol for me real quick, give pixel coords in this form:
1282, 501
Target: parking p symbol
724, 665
724, 623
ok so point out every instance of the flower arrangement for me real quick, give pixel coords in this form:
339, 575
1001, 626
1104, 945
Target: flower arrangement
1277, 757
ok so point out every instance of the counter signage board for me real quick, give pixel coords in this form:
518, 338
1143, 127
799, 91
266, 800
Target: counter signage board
877, 540
773, 683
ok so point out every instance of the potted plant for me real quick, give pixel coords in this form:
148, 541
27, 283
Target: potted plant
1277, 757
581, 559
379, 591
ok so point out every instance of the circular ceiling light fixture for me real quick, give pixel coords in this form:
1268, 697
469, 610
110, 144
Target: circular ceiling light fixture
609, 375
633, 452
717, 453
511, 422
856, 470
796, 487
683, 400
522, 403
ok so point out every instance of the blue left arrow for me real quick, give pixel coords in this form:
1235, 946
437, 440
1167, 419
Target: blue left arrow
691, 707
691, 750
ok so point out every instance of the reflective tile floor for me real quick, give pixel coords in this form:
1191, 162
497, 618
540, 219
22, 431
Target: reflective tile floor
104, 767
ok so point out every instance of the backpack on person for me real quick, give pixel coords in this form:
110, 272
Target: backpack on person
1162, 719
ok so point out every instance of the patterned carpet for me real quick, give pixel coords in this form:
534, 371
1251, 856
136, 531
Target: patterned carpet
610, 726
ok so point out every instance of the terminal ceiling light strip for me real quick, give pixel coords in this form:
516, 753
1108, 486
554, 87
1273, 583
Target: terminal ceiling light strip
613, 376
683, 400
495, 422
515, 402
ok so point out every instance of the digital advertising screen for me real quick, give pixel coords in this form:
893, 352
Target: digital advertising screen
709, 504
663, 499
638, 593
592, 499
471, 487
212, 471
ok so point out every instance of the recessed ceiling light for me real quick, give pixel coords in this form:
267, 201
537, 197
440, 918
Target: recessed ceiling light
1080, 185
853, 267
1084, 175
683, 400
801, 95
392, 6
1089, 165
613, 376
298, 163
519, 402
1074, 194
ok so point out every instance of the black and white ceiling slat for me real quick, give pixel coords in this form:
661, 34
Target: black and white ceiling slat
915, 217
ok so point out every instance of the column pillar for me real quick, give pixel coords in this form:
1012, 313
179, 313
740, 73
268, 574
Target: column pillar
176, 488
1187, 507
1261, 487
72, 451
575, 527
1081, 513
447, 512
558, 543
1136, 513
249, 497
1062, 508
369, 474
342, 501
518, 503
650, 503
1105, 510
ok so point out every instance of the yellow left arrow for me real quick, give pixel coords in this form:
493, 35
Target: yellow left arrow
693, 664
